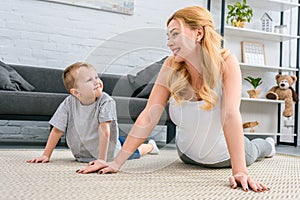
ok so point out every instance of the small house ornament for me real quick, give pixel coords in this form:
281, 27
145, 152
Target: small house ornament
266, 23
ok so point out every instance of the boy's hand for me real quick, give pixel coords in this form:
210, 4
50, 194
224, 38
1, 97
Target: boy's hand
99, 166
42, 159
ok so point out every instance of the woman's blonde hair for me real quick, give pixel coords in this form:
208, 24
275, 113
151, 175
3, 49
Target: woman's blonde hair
212, 53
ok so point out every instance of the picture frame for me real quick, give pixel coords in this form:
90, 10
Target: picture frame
117, 6
253, 53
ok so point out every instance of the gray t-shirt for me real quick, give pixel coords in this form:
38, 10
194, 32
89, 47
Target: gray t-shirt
80, 124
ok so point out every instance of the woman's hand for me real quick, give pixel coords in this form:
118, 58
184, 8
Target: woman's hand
100, 166
243, 180
42, 159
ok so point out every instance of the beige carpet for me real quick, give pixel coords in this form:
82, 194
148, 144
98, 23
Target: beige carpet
160, 176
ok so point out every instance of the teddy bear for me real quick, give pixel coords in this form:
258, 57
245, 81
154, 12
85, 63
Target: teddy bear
284, 91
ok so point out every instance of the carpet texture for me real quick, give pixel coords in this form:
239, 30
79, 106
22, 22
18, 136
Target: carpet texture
161, 176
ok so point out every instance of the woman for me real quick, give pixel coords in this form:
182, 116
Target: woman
203, 83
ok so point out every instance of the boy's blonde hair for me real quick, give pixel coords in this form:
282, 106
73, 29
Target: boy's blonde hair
70, 74
212, 53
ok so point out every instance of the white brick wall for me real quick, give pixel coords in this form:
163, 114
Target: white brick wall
54, 35
40, 33
23, 131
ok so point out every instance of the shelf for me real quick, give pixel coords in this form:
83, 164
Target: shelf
268, 68
255, 34
262, 100
272, 5
277, 134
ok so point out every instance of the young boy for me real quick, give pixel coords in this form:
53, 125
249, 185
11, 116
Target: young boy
89, 118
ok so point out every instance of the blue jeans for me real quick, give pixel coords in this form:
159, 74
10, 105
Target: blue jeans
134, 155
254, 150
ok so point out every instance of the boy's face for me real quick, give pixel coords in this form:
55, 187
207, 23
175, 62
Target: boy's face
88, 85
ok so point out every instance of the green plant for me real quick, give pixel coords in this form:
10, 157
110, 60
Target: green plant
255, 82
239, 12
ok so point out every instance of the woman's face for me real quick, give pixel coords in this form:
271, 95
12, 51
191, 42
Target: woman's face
182, 40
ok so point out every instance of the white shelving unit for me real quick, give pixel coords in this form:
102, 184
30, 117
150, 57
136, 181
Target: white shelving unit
246, 33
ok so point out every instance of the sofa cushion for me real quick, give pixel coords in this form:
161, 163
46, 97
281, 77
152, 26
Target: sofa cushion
116, 85
29, 103
44, 79
128, 109
5, 83
12, 80
145, 93
140, 82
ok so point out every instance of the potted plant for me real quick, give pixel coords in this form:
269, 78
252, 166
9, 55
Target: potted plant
239, 14
255, 82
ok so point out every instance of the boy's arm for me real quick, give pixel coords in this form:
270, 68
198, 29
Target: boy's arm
53, 139
104, 135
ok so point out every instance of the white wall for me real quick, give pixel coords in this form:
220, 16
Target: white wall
40, 33
45, 34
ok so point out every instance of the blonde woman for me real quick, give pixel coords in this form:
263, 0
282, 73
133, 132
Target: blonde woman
202, 82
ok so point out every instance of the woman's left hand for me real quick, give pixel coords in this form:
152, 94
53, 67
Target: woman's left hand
99, 166
243, 180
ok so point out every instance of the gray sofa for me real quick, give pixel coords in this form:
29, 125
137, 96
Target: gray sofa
41, 103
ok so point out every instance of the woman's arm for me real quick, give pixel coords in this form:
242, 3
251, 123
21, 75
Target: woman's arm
232, 126
145, 123
149, 117
231, 117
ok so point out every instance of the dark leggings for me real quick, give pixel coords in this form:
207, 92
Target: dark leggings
254, 150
